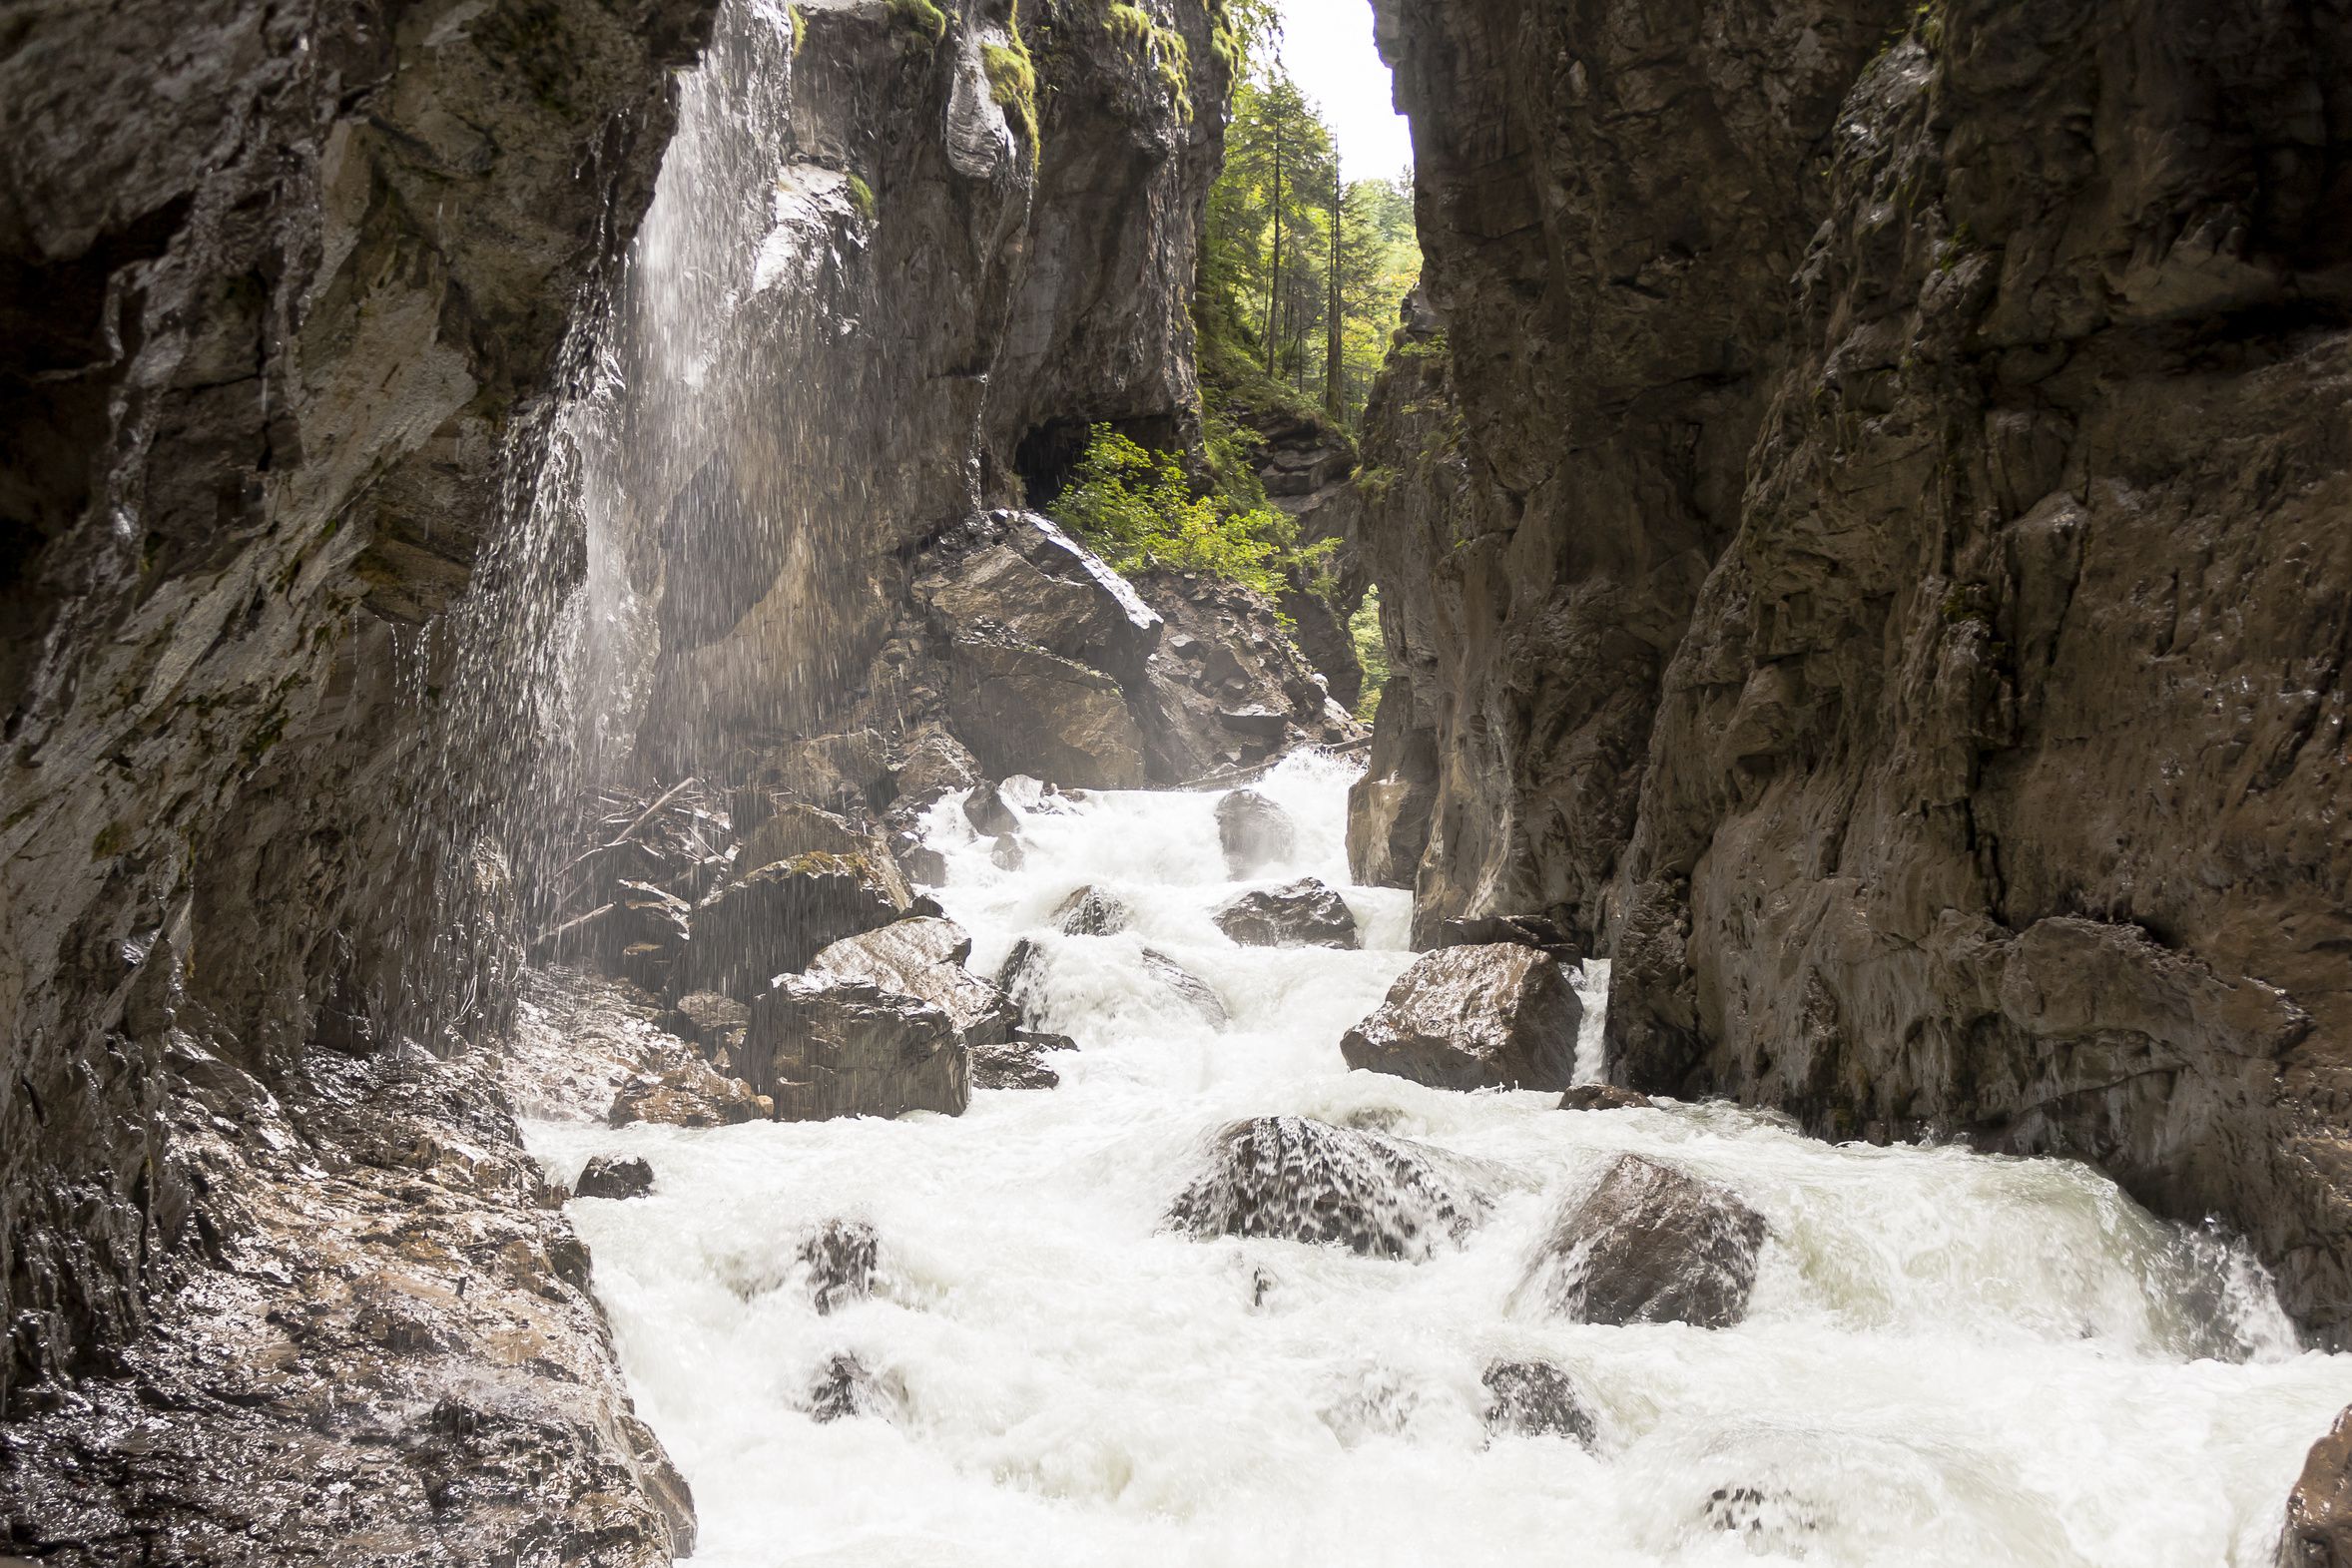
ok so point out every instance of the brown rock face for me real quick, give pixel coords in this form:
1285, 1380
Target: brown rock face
2318, 1531
823, 1047
1650, 1244
1304, 913
1849, 661
1498, 1016
923, 958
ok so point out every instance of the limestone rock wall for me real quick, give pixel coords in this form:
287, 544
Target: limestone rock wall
1891, 582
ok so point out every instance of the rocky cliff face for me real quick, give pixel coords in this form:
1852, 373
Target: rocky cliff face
1889, 578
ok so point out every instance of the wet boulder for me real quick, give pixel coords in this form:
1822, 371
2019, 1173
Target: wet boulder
1650, 1244
776, 919
1535, 1400
1019, 1063
1254, 832
1089, 911
1306, 1180
1605, 1097
923, 866
712, 1021
795, 829
934, 764
924, 958
989, 813
2318, 1530
836, 1263
1304, 913
1501, 1015
823, 1046
846, 1387
1006, 854
1195, 992
1026, 710
604, 1176
689, 1094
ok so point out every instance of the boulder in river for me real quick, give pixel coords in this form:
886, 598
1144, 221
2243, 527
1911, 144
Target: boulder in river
1535, 1400
989, 812
1196, 992
605, 1177
823, 1046
1254, 832
845, 1387
839, 1260
1605, 1097
691, 1094
1023, 707
778, 917
1650, 1244
1499, 1015
933, 765
923, 958
1089, 911
1304, 913
2318, 1530
794, 829
1006, 854
1306, 1180
1019, 1063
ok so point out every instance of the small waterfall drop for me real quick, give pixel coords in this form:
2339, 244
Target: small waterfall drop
1949, 1358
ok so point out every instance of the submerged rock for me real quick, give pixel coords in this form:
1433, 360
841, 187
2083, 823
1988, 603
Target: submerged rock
604, 1176
838, 1262
845, 1387
1089, 911
1306, 1180
689, 1094
923, 958
1650, 1244
1304, 913
1535, 1400
1007, 854
1254, 832
1605, 1097
1195, 992
1499, 1016
823, 1046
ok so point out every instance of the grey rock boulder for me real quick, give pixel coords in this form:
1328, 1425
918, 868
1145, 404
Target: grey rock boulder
924, 958
605, 1177
1306, 1180
1535, 1400
988, 812
1019, 1063
1304, 913
823, 1046
1605, 1097
1500, 1016
1648, 1244
1254, 832
837, 1263
778, 917
689, 1094
1024, 709
1089, 911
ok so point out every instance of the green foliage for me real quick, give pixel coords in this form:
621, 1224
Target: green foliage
799, 21
1137, 509
1372, 652
862, 194
921, 15
1012, 80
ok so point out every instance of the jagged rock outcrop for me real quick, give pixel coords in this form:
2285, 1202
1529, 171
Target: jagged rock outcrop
923, 958
823, 1046
1920, 678
1648, 1244
287, 293
1306, 1181
1496, 1016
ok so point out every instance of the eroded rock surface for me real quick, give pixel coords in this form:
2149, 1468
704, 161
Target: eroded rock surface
1648, 1244
823, 1046
1306, 1181
923, 958
1498, 1016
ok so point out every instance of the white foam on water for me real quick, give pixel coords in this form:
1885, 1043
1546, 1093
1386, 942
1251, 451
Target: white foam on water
1951, 1359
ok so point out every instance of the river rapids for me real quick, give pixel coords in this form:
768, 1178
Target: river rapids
1949, 1358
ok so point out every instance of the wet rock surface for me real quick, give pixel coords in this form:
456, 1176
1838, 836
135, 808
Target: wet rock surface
1019, 1063
823, 1046
1535, 1400
1304, 913
777, 918
1089, 911
1603, 1097
985, 809
1474, 1018
606, 1177
1650, 1244
690, 1094
1293, 1178
837, 1264
1820, 722
1254, 832
924, 958
1195, 992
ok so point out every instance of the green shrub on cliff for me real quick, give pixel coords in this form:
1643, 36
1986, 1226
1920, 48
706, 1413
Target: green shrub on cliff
1137, 509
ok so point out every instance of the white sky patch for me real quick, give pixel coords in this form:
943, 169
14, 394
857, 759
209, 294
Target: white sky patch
1328, 46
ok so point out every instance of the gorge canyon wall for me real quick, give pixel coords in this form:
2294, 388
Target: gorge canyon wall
1861, 522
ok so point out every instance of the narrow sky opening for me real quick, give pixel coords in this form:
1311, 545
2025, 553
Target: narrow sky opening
1327, 44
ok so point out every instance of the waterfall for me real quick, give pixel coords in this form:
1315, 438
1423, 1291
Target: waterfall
1949, 1359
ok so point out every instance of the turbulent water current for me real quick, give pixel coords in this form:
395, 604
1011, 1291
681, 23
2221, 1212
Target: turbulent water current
1949, 1358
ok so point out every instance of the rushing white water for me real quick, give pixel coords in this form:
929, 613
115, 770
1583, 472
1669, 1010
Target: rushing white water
1950, 1360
